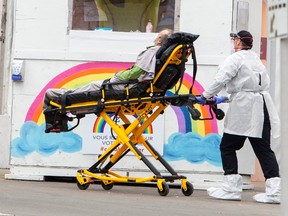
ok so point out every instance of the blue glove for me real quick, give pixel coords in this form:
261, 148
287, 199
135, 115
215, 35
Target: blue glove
201, 100
219, 99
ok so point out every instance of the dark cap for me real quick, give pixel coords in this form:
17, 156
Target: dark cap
245, 37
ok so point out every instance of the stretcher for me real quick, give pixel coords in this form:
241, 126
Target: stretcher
147, 101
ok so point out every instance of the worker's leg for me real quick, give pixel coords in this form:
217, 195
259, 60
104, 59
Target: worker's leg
263, 151
268, 162
232, 183
228, 147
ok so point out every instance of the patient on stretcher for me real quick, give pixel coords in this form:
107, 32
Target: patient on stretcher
156, 70
142, 70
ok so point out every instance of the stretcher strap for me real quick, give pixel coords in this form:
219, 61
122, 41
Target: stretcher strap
193, 55
64, 101
182, 69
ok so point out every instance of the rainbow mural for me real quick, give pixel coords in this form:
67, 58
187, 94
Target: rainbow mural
195, 141
82, 74
74, 77
100, 124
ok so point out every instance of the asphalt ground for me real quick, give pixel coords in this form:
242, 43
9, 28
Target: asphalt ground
29, 198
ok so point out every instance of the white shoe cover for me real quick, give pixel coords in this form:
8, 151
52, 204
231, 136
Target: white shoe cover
231, 188
272, 192
219, 193
263, 198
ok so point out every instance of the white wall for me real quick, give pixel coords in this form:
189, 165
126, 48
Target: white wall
5, 116
43, 42
41, 25
212, 20
212, 25
284, 126
42, 33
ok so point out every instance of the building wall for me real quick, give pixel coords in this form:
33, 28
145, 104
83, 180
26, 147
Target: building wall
284, 119
46, 46
5, 82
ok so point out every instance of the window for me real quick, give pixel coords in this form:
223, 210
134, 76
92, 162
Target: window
122, 15
240, 15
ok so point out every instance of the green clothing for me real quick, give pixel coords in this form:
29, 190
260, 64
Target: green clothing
132, 73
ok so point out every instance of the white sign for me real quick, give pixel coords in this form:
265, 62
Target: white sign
17, 70
277, 18
97, 135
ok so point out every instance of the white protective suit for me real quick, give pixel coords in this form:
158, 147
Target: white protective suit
246, 80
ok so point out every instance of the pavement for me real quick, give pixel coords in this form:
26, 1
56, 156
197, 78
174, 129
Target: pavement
63, 198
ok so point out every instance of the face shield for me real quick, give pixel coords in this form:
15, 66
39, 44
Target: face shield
233, 36
232, 47
246, 39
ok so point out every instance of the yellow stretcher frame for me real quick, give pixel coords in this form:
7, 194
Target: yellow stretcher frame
130, 134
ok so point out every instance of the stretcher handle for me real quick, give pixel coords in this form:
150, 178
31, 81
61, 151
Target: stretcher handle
211, 101
213, 110
226, 100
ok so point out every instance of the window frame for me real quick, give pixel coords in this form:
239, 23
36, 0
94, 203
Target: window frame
70, 17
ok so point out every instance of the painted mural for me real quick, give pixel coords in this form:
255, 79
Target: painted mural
194, 141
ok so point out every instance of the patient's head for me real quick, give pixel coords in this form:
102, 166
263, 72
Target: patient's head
162, 36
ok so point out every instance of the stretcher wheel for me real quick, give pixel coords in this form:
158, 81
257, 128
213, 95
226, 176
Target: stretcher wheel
219, 114
82, 186
165, 189
107, 186
195, 114
189, 190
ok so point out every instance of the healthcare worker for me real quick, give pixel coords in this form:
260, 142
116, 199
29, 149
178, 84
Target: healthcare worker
251, 114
